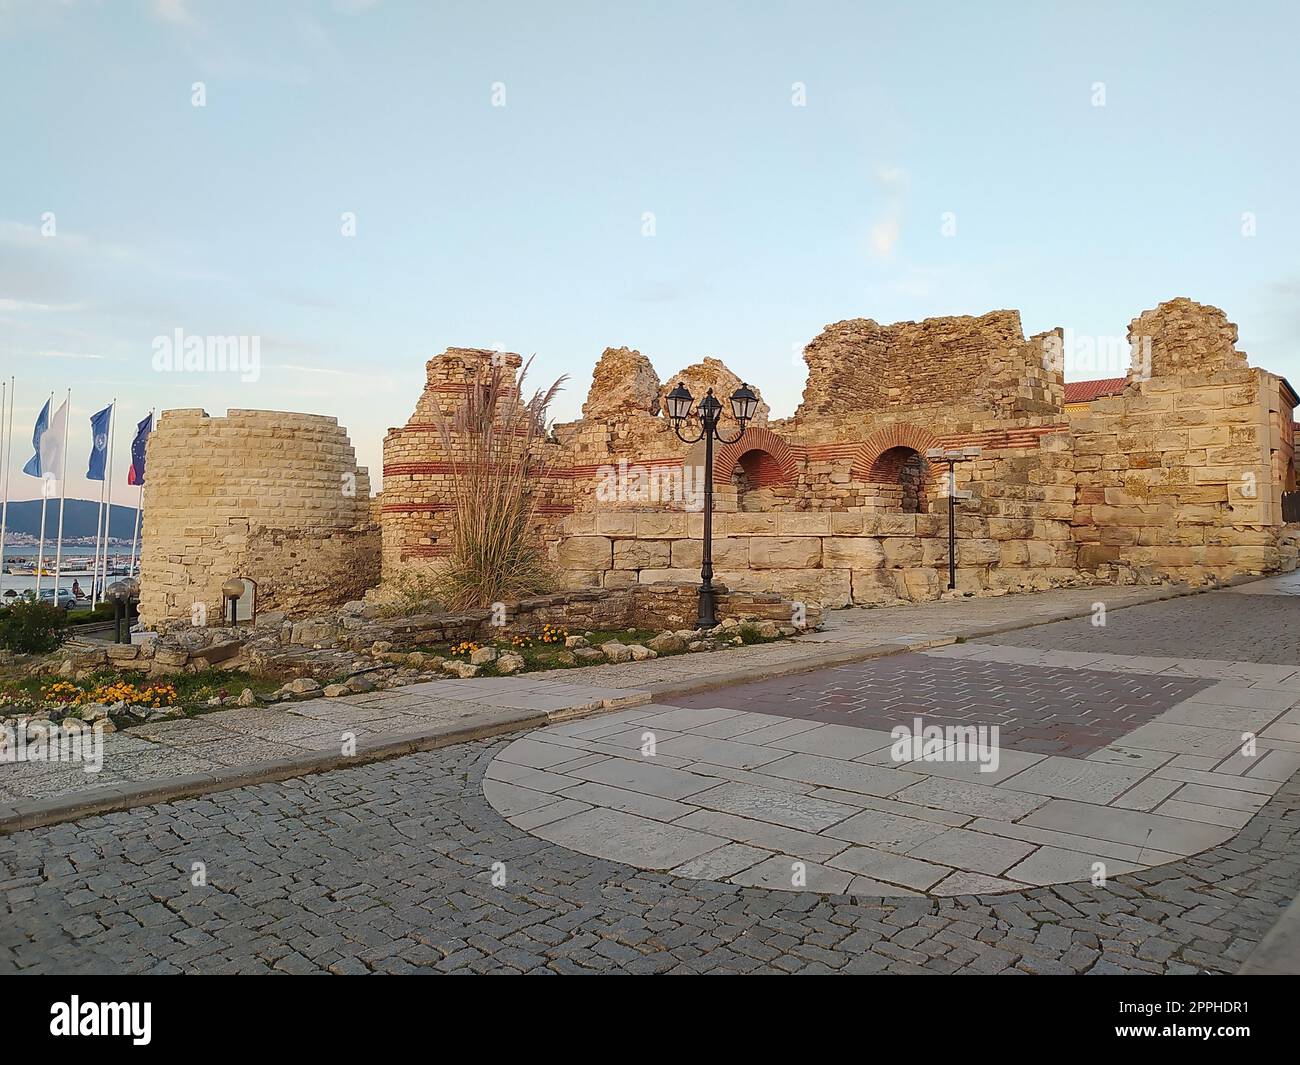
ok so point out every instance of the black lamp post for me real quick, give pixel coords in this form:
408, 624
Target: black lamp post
953, 457
744, 405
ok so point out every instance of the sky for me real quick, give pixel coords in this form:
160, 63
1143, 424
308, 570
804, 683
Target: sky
359, 184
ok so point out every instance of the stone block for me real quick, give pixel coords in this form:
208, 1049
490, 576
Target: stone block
731, 552
784, 552
586, 553
642, 554
852, 552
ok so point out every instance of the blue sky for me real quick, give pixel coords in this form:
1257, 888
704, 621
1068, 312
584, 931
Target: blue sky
522, 225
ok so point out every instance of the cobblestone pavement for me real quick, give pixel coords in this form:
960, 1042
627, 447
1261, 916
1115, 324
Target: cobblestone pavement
1071, 712
1257, 622
388, 868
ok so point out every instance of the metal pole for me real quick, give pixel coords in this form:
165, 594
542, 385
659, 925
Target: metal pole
952, 527
63, 496
6, 456
708, 613
45, 495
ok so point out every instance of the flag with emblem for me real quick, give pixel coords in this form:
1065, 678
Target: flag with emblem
136, 474
99, 443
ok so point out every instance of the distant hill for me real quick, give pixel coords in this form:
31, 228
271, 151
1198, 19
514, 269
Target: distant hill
79, 517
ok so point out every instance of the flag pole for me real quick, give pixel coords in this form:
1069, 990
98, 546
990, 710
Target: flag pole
99, 521
45, 495
63, 496
108, 479
6, 455
135, 538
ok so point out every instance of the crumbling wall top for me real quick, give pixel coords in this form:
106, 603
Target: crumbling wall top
713, 373
624, 380
1183, 336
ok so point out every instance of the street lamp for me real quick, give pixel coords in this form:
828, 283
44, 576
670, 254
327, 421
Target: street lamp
121, 593
744, 405
952, 457
232, 591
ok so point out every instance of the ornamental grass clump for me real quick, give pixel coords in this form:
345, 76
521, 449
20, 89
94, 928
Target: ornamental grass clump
493, 442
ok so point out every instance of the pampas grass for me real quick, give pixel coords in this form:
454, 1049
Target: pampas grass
492, 446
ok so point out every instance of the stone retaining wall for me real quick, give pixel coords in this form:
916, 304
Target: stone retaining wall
825, 558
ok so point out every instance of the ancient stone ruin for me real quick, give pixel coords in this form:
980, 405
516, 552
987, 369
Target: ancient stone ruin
1173, 473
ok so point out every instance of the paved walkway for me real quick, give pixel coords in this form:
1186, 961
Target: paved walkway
403, 865
390, 868
228, 747
797, 783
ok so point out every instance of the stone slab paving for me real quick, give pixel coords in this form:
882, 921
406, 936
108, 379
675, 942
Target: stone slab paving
1106, 763
830, 807
388, 868
247, 738
1040, 708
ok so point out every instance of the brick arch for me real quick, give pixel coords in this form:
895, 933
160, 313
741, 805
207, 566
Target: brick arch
755, 439
900, 435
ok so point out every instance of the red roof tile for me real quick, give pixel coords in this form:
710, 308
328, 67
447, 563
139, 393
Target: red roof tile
1087, 391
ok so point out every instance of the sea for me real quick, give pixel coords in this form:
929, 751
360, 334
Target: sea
78, 571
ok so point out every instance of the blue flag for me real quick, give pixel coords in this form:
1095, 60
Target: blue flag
33, 467
99, 443
135, 475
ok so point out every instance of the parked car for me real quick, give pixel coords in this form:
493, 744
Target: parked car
65, 599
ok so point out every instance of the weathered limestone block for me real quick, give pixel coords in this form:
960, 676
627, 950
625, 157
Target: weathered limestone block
829, 588
730, 552
785, 552
852, 552
661, 526
586, 553
809, 524
681, 576
611, 524
642, 554
901, 550
977, 552
874, 586
919, 585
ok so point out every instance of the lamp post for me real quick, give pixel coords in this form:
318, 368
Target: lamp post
121, 593
681, 406
953, 456
232, 591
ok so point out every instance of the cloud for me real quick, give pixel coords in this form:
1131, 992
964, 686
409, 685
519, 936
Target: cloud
176, 12
891, 183
7, 304
69, 355
884, 238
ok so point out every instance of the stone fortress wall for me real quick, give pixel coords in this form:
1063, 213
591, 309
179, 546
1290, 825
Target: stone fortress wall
1177, 475
839, 504
266, 495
